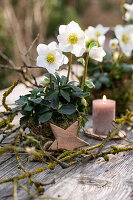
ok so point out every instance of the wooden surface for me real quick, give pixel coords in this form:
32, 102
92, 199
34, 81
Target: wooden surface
94, 180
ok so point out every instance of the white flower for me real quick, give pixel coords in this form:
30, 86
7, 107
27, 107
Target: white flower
125, 36
50, 57
71, 39
97, 53
113, 43
96, 33
129, 11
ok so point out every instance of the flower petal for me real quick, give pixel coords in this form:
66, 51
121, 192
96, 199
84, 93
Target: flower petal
62, 29
97, 53
78, 50
53, 45
41, 61
73, 27
103, 30
64, 60
62, 38
126, 49
66, 48
101, 40
41, 49
118, 31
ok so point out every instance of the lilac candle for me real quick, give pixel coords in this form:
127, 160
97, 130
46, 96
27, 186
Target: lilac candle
103, 115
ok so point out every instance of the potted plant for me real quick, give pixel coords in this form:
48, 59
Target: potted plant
58, 100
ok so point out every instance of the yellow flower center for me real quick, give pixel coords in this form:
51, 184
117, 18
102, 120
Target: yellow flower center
50, 58
73, 38
98, 33
114, 44
126, 38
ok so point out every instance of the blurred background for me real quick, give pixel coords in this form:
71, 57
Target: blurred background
22, 20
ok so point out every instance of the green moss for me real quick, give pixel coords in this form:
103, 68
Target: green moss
45, 130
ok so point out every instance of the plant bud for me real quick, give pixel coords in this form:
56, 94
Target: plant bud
84, 102
45, 82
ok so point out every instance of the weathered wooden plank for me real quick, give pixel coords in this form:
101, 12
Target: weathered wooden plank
93, 180
97, 180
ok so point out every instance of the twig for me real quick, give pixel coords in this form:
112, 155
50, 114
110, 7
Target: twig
31, 46
7, 59
7, 134
15, 190
10, 68
32, 194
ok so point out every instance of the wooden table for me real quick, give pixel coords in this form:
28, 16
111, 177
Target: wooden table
93, 180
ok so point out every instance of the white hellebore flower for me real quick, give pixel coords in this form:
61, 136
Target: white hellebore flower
97, 53
71, 39
50, 57
129, 11
96, 33
113, 43
125, 36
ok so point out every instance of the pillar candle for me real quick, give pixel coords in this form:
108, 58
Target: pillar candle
103, 115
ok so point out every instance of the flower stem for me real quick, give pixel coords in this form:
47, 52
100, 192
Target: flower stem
51, 85
85, 71
69, 68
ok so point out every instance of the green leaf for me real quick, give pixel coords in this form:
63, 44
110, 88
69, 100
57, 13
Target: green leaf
37, 100
16, 108
93, 44
50, 95
89, 83
98, 84
96, 74
57, 77
81, 61
45, 103
104, 79
63, 79
22, 100
127, 67
81, 94
36, 91
55, 102
76, 89
45, 117
43, 110
25, 113
65, 95
67, 109
66, 86
53, 77
24, 120
71, 82
28, 108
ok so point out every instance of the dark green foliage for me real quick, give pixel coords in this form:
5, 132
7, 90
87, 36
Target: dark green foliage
42, 106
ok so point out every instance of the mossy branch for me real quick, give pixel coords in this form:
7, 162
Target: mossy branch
5, 122
114, 150
6, 93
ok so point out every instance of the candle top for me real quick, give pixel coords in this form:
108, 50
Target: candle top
101, 101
